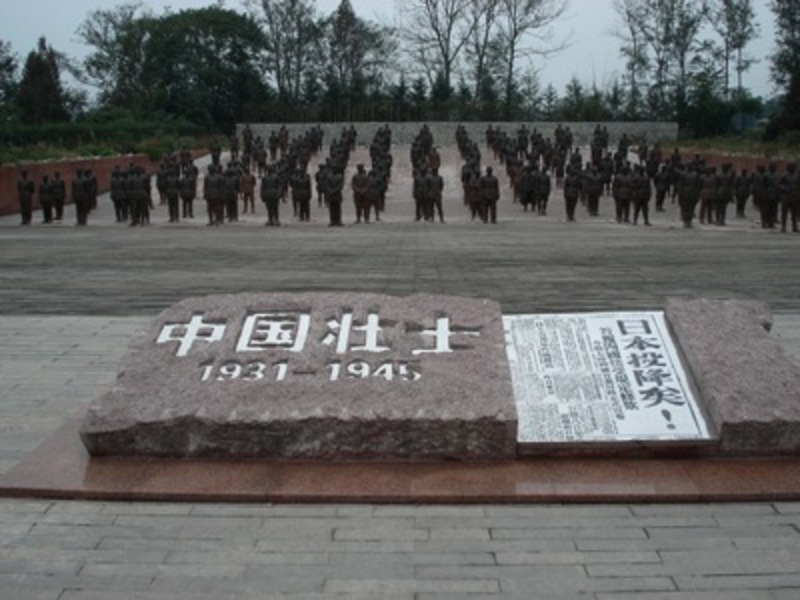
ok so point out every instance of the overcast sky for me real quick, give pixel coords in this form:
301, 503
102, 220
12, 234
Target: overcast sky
593, 55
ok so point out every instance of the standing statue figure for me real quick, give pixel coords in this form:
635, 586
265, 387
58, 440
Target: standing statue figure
689, 185
360, 184
790, 196
247, 184
188, 191
743, 186
59, 196
46, 200
434, 186
25, 190
335, 188
641, 195
572, 192
490, 188
301, 193
271, 196
81, 196
172, 192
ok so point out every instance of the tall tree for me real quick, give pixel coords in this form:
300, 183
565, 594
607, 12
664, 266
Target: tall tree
632, 15
436, 32
734, 21
41, 97
357, 52
482, 42
688, 23
8, 73
293, 38
786, 60
115, 65
525, 31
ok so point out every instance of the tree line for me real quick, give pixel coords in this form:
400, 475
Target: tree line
456, 60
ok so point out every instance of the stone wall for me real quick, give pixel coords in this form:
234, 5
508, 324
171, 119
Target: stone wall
444, 133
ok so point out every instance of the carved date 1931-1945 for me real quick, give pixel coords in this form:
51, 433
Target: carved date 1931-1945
254, 371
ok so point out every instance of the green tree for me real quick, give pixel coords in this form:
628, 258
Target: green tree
8, 82
115, 65
357, 53
41, 98
203, 64
550, 103
419, 97
632, 14
734, 21
786, 63
525, 31
8, 73
293, 36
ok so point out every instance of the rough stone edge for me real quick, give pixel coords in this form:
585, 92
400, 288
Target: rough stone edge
749, 422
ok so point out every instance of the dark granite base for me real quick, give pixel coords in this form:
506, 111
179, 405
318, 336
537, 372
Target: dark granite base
62, 469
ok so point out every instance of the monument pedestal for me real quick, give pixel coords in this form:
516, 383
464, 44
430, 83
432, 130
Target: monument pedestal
313, 376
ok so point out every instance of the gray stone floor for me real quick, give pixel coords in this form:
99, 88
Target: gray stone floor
69, 300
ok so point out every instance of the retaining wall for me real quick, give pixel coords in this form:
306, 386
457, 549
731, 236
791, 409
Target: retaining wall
444, 133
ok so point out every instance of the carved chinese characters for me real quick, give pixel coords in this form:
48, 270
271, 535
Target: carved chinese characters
313, 376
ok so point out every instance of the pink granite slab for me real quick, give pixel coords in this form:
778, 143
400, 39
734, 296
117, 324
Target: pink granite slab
313, 376
750, 386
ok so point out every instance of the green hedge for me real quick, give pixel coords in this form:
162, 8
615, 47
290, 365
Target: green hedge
94, 137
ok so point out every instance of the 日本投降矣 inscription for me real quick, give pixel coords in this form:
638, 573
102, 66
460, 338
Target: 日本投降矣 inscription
313, 376
600, 377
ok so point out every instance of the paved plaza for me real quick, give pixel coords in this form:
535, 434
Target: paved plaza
72, 297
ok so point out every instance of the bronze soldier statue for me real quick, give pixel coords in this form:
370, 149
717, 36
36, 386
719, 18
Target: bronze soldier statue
81, 196
708, 196
335, 188
641, 195
572, 192
789, 186
743, 187
25, 190
434, 186
247, 185
490, 188
374, 195
212, 194
188, 191
360, 184
118, 193
594, 189
271, 196
769, 203
46, 200
301, 193
727, 182
59, 196
172, 192
690, 183
542, 191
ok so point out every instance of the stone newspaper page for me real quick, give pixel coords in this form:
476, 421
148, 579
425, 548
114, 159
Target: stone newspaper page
602, 377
